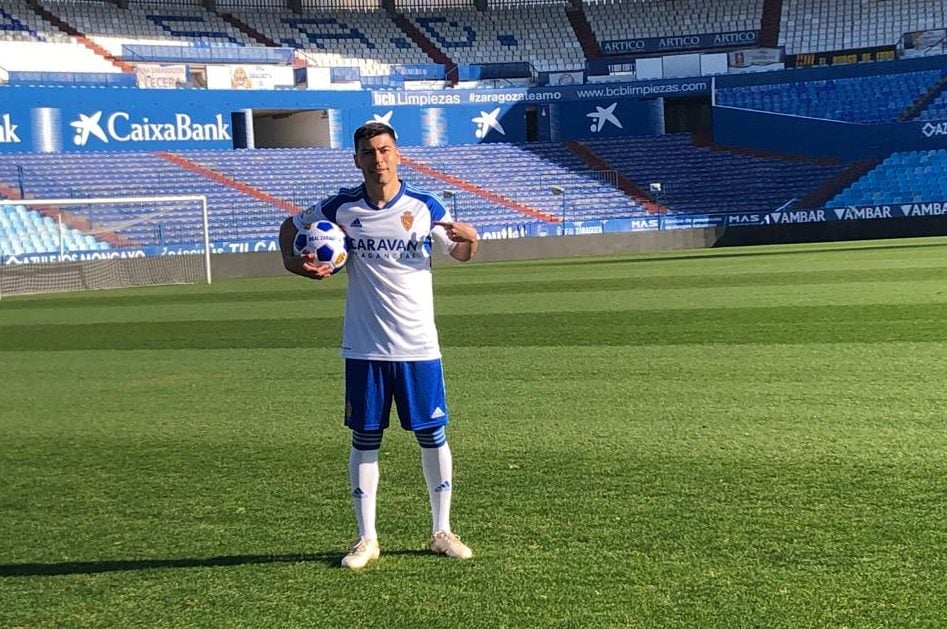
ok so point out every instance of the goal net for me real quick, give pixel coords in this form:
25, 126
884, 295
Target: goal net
59, 245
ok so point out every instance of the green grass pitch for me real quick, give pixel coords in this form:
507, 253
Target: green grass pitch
751, 437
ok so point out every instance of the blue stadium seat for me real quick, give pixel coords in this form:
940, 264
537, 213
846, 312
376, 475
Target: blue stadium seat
700, 180
871, 99
905, 177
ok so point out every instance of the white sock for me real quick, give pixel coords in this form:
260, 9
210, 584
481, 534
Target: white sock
437, 464
363, 479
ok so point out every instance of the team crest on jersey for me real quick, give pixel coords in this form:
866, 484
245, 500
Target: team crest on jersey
407, 220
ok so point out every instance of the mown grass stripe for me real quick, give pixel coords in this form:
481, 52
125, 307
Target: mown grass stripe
300, 291
786, 324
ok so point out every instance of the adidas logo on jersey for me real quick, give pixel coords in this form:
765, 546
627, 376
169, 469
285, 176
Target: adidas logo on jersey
355, 223
438, 413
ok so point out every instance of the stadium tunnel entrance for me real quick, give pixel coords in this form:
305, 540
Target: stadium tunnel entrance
281, 128
688, 115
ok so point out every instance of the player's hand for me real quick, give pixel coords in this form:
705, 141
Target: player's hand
458, 232
315, 270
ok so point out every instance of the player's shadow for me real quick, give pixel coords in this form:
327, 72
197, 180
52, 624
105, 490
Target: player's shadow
124, 565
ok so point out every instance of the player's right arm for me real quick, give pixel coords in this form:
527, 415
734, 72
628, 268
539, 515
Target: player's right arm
303, 265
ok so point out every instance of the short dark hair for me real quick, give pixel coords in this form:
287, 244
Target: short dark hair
371, 129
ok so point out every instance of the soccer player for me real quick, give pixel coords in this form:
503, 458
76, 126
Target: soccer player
389, 340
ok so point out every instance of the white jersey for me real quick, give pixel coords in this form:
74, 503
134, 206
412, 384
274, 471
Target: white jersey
389, 306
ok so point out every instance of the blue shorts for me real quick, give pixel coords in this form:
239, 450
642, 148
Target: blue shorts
417, 388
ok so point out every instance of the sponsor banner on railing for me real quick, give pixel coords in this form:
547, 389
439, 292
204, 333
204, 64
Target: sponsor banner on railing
216, 247
924, 43
931, 129
892, 210
544, 95
73, 79
680, 42
249, 77
72, 256
419, 71
621, 225
755, 60
724, 219
193, 53
755, 57
848, 213
506, 231
345, 74
153, 75
576, 77
692, 221
842, 57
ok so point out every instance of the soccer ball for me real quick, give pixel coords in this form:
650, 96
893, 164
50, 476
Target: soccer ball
324, 239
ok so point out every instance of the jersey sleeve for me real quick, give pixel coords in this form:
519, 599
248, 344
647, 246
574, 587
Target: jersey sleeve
439, 213
309, 216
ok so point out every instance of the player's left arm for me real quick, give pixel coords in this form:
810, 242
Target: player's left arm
465, 235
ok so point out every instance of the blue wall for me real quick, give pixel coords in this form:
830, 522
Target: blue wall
444, 125
55, 119
786, 133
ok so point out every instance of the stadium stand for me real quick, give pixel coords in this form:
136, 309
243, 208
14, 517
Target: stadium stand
540, 35
528, 179
815, 26
305, 176
369, 40
141, 23
29, 56
300, 177
695, 179
870, 99
937, 110
30, 43
28, 231
141, 174
903, 177
630, 19
698, 179
19, 22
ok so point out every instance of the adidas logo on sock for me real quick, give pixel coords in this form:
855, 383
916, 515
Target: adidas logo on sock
358, 493
445, 486
438, 413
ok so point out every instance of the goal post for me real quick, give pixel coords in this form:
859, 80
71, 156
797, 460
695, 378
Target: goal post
72, 244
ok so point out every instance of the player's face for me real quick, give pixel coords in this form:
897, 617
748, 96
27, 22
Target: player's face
378, 159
